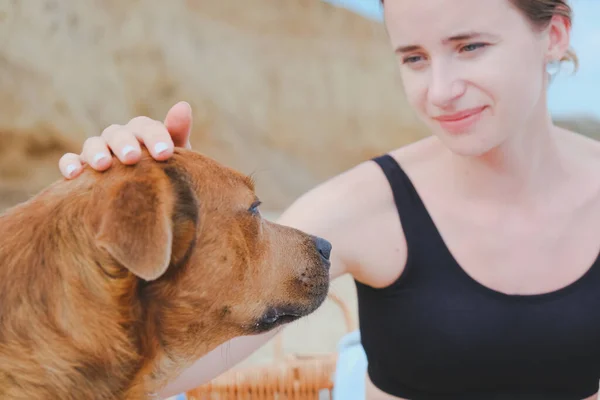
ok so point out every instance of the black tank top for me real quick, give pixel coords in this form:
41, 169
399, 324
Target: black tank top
436, 333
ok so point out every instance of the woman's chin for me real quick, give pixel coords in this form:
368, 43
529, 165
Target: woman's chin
473, 144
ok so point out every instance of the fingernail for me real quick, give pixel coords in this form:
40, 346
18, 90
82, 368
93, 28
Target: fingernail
127, 150
99, 157
71, 169
160, 147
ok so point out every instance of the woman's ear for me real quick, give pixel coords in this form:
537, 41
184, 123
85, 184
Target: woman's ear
559, 38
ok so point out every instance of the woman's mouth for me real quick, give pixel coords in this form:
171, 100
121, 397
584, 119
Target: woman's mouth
460, 122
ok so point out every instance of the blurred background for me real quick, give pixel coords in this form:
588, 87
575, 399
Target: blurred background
291, 91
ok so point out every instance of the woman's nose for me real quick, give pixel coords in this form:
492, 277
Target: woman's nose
444, 87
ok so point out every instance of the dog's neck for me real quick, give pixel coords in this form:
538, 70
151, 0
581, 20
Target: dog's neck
162, 319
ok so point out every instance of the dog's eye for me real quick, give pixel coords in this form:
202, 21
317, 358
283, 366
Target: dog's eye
254, 207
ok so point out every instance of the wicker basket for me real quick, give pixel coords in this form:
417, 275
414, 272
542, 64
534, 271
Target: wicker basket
289, 377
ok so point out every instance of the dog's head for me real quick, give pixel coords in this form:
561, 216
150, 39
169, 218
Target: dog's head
208, 266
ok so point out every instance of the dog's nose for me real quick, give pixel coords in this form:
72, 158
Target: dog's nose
324, 247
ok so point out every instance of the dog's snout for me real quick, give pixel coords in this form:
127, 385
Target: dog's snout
324, 248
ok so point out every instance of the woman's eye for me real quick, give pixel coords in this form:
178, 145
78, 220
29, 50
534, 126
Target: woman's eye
411, 60
473, 47
254, 207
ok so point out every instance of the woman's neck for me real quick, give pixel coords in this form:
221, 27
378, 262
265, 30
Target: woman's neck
519, 170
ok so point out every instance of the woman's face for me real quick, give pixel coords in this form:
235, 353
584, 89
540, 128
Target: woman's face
474, 71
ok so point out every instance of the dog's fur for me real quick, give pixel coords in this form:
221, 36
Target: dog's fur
112, 283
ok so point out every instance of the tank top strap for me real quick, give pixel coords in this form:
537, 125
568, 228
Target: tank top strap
419, 229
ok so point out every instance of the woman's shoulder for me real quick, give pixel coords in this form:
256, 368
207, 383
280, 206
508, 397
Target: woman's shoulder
356, 193
352, 196
365, 184
582, 143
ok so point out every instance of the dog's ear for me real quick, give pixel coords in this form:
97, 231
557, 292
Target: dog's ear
143, 227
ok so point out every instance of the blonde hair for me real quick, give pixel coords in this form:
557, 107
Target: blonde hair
540, 13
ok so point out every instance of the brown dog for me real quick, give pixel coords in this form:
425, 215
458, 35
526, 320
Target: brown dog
114, 282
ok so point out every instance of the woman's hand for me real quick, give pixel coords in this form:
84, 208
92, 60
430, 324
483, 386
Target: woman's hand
125, 141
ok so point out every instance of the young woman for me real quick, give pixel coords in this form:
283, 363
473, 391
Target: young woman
476, 251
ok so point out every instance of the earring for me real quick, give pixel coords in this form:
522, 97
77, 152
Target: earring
553, 68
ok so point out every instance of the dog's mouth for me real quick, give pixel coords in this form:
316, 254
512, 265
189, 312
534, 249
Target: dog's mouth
277, 316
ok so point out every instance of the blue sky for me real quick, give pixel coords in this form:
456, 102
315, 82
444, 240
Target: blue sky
569, 94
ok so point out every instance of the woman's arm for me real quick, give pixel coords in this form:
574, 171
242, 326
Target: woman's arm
216, 362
